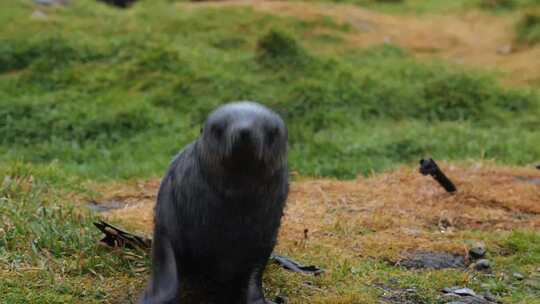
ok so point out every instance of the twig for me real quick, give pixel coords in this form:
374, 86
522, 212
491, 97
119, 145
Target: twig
429, 167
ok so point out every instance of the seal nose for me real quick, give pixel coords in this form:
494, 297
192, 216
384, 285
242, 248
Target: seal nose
245, 141
244, 135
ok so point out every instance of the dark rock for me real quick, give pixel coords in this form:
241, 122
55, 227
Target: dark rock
448, 289
281, 299
464, 292
450, 298
482, 264
468, 300
432, 260
473, 300
477, 252
119, 3
51, 2
538, 167
465, 300
488, 296
463, 295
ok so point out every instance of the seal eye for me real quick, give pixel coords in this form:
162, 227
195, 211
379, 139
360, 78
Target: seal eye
217, 130
272, 134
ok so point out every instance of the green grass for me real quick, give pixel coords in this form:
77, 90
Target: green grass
528, 28
513, 252
95, 92
111, 93
48, 254
48, 251
439, 6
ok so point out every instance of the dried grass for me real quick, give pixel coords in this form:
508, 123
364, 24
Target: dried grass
476, 38
384, 215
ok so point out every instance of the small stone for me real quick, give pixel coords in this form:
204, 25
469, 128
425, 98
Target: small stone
281, 299
449, 290
456, 302
119, 3
477, 252
39, 15
465, 292
518, 276
51, 2
482, 264
432, 260
490, 297
410, 290
538, 166
412, 232
505, 49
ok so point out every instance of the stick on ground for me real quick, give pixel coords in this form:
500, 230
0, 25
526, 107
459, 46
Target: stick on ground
117, 238
430, 167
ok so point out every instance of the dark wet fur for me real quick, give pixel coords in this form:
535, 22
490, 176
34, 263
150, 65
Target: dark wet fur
219, 209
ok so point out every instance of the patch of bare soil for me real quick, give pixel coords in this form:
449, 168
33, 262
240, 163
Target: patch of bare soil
381, 216
474, 39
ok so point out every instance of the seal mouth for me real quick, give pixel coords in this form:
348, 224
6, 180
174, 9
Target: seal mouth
246, 146
245, 155
245, 152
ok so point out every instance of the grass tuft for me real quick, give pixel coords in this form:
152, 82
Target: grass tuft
279, 49
528, 28
49, 244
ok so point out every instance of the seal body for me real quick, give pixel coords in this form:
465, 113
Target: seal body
219, 209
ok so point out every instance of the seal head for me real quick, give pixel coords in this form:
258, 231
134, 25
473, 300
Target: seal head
244, 136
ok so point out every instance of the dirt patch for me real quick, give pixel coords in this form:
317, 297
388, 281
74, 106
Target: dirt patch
475, 38
381, 216
105, 206
131, 202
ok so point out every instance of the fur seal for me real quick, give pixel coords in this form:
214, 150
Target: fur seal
219, 208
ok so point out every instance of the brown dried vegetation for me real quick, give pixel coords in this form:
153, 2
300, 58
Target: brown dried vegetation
477, 39
381, 216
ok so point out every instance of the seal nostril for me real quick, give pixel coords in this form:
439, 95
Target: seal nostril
244, 134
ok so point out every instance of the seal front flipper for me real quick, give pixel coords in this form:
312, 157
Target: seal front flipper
164, 286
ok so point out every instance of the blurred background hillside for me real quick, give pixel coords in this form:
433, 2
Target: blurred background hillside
363, 86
